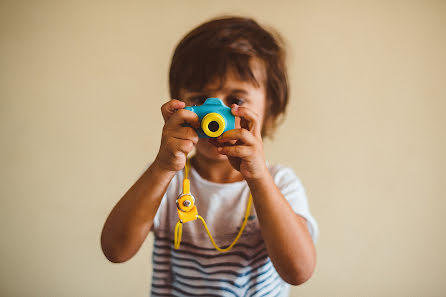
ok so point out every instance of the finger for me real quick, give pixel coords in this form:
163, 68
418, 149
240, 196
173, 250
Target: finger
185, 133
239, 134
169, 108
185, 146
239, 151
249, 119
222, 142
177, 146
184, 115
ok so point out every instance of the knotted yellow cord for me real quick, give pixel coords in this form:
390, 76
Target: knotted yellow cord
178, 232
179, 225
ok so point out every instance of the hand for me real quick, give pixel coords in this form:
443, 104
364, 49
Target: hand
176, 141
244, 146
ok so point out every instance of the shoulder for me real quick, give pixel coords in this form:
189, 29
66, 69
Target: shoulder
294, 192
278, 169
283, 175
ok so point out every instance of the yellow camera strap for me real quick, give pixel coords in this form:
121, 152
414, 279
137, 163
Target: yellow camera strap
187, 211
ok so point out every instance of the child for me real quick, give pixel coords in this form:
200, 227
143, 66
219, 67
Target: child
241, 63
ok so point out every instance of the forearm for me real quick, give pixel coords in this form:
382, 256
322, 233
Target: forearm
132, 217
285, 233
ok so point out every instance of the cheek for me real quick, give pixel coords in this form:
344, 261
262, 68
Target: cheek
207, 149
204, 145
201, 143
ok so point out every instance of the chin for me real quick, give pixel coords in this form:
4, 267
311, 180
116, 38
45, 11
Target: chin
208, 150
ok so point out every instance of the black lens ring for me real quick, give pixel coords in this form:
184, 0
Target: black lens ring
213, 126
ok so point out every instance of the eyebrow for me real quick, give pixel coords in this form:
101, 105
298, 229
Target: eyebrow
239, 91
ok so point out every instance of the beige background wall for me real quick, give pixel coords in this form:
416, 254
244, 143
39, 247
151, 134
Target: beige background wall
81, 86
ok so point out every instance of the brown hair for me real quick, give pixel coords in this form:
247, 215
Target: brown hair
210, 50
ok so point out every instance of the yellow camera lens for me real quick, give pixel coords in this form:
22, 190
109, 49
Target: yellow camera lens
213, 124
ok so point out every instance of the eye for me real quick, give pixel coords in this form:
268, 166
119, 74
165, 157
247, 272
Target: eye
197, 100
235, 100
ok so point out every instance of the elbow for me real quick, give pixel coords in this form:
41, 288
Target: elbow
299, 273
112, 252
113, 257
298, 278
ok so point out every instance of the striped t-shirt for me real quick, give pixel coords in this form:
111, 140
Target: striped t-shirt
197, 269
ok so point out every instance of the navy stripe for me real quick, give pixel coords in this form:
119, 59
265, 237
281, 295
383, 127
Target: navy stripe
281, 290
253, 277
176, 258
171, 294
231, 272
210, 288
160, 270
222, 259
240, 254
256, 245
223, 262
194, 293
269, 284
170, 287
207, 272
161, 285
271, 268
161, 262
154, 294
270, 291
202, 271
167, 256
214, 288
263, 280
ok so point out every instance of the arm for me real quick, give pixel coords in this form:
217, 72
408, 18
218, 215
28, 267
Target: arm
287, 239
131, 219
285, 233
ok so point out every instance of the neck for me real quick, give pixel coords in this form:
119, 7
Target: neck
217, 171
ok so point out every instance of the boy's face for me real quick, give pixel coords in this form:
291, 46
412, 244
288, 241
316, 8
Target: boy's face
234, 91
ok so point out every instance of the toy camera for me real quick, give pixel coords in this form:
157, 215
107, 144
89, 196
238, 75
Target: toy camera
215, 118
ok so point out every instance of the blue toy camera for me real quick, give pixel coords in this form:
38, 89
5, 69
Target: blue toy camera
215, 118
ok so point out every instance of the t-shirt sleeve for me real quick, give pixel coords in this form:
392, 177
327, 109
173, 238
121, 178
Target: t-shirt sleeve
293, 190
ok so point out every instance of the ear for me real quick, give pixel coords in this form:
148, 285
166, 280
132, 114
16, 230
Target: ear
267, 126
